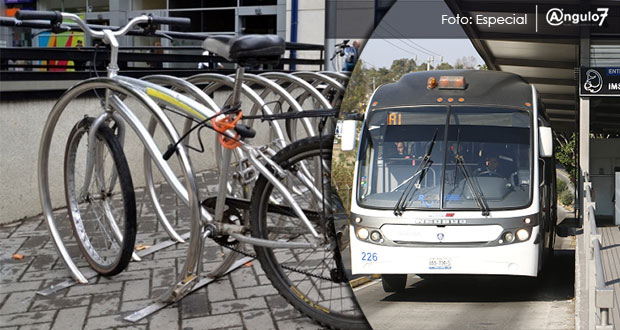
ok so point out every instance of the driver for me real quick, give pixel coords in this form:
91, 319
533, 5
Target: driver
491, 169
400, 150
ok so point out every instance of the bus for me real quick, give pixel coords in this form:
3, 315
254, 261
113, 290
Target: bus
454, 174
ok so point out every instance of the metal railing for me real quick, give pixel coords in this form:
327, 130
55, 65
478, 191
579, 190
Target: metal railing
600, 297
69, 63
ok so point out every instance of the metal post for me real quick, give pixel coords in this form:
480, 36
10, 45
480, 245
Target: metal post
584, 137
584, 166
330, 29
604, 317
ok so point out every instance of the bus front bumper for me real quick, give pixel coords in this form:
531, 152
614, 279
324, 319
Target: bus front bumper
511, 259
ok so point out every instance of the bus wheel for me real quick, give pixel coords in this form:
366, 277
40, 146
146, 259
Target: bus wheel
394, 282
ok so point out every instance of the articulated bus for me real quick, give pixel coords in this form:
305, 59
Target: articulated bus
455, 174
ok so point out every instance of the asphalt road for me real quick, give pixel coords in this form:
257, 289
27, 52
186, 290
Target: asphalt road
478, 302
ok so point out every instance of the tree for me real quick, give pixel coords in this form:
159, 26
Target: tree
445, 66
565, 153
466, 62
357, 90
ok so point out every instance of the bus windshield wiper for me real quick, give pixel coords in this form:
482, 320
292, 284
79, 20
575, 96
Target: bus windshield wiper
473, 185
405, 197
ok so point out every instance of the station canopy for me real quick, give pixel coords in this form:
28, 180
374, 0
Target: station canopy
549, 61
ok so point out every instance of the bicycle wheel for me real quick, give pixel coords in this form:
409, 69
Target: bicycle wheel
103, 216
311, 280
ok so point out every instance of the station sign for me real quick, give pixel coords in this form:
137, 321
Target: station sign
596, 81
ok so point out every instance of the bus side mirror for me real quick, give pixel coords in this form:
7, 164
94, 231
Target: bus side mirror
349, 131
545, 142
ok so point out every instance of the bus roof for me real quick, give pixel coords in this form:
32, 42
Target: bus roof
483, 88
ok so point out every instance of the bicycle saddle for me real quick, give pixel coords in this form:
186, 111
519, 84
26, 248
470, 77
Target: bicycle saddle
246, 49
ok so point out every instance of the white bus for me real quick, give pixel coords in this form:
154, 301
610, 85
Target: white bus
454, 174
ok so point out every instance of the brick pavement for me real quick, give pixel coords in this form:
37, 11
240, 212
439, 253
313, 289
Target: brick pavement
243, 299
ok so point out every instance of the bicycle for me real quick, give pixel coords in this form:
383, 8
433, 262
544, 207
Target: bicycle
348, 54
310, 231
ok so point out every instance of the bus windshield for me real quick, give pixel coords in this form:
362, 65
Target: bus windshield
445, 157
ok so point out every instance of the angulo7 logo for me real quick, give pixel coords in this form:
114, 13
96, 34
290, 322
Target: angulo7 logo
557, 17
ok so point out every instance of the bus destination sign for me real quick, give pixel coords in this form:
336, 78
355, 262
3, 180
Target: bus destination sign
596, 81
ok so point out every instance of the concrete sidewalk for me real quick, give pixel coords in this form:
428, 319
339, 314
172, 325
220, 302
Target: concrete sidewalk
243, 299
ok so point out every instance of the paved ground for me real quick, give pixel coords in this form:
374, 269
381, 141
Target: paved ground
610, 254
243, 299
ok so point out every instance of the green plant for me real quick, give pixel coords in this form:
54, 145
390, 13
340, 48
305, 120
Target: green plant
565, 154
566, 198
342, 176
561, 186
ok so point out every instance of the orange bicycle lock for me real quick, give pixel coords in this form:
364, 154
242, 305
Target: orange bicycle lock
223, 125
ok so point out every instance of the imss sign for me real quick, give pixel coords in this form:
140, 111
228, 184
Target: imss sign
595, 81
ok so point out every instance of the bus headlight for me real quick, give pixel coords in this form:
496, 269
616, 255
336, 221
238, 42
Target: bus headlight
523, 235
509, 237
362, 233
375, 236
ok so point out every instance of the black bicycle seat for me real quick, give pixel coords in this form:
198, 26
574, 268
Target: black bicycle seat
246, 49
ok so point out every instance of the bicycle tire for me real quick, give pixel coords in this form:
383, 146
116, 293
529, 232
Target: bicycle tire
318, 301
103, 251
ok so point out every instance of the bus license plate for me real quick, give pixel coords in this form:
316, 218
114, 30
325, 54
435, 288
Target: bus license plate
439, 263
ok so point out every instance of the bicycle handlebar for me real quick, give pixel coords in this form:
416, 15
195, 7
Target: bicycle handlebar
175, 21
54, 16
343, 44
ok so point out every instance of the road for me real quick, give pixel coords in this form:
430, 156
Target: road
478, 302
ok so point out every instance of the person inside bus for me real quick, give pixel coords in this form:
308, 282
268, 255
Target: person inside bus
399, 162
492, 168
400, 150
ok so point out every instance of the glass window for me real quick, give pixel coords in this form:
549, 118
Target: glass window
178, 4
258, 2
485, 149
394, 144
489, 149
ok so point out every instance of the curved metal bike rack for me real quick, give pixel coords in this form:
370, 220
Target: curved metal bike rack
295, 83
315, 79
141, 131
196, 93
271, 87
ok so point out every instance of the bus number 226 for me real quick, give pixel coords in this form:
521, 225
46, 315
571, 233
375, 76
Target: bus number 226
369, 256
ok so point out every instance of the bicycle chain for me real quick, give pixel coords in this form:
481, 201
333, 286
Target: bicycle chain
231, 247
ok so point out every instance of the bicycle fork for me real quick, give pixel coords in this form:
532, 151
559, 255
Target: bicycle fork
94, 159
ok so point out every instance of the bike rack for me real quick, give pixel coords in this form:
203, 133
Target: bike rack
271, 87
281, 86
341, 77
294, 83
141, 131
316, 78
192, 90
